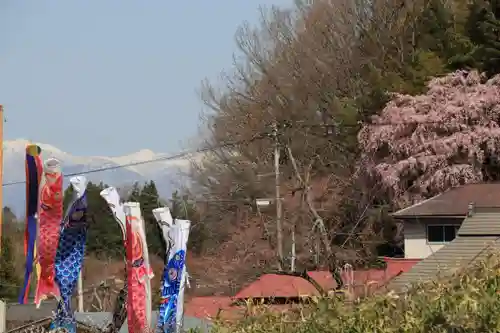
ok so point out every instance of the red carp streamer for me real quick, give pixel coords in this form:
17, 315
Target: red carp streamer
50, 215
138, 272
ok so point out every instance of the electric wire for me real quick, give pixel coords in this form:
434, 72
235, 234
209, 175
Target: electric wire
176, 156
258, 136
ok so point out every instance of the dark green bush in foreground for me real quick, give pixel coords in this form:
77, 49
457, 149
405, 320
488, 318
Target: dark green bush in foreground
469, 301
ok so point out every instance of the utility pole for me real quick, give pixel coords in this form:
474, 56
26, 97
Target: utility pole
279, 229
294, 254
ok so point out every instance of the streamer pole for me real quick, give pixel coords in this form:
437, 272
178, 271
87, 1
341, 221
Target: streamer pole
1, 175
80, 292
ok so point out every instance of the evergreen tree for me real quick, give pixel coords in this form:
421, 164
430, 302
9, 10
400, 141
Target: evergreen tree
9, 217
9, 277
483, 29
434, 26
104, 235
429, 43
149, 200
9, 280
184, 208
135, 193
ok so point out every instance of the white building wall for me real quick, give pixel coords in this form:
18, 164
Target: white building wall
416, 246
415, 237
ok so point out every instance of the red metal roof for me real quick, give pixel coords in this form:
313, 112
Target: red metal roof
275, 285
203, 307
324, 279
210, 307
400, 265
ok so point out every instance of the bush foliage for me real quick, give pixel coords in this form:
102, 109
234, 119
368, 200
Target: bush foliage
468, 301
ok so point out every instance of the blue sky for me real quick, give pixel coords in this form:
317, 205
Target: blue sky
110, 77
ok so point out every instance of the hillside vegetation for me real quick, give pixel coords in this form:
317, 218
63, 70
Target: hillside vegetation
469, 301
374, 105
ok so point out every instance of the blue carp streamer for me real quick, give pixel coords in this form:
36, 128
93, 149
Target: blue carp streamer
175, 236
70, 254
171, 286
34, 170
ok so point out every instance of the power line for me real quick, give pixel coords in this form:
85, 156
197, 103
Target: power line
303, 123
224, 145
159, 159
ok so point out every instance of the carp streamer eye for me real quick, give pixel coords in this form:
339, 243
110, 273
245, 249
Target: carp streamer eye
172, 274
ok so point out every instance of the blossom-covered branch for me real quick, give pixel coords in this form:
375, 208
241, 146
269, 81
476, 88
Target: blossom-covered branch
420, 146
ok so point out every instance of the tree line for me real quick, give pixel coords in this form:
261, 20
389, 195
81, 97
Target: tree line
104, 235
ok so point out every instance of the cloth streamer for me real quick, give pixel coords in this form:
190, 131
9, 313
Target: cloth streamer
175, 234
70, 253
139, 272
50, 213
34, 170
112, 198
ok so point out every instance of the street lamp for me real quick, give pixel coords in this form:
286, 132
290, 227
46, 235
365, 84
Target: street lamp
263, 202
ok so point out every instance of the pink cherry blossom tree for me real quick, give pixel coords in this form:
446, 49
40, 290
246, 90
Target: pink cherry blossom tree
420, 146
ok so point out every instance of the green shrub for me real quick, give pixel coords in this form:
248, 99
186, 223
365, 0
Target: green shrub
468, 301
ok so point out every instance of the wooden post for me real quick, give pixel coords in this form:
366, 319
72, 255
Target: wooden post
80, 292
3, 305
3, 316
1, 176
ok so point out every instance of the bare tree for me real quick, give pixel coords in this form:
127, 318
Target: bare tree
302, 69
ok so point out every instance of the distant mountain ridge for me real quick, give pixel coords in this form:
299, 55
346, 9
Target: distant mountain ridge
166, 173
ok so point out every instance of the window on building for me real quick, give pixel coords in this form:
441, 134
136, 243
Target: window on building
441, 233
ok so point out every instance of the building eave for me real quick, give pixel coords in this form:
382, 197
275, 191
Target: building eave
431, 216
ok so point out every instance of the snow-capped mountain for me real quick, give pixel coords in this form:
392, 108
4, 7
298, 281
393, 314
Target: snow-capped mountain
166, 173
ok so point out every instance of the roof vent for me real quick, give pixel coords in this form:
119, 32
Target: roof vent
470, 209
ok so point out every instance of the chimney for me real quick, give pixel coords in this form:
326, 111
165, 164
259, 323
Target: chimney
470, 209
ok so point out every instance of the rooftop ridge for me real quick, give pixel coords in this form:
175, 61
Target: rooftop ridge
455, 202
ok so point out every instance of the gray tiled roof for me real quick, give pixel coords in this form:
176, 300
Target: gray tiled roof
485, 223
99, 320
39, 318
85, 320
189, 323
455, 201
29, 312
478, 235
